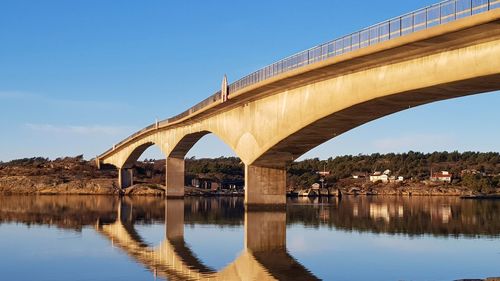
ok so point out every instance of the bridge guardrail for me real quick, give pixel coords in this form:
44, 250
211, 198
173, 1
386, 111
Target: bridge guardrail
421, 19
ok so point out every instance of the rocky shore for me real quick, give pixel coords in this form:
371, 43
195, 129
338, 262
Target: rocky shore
74, 175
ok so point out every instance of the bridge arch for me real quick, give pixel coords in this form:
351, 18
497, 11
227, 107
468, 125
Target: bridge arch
175, 163
182, 147
291, 145
125, 160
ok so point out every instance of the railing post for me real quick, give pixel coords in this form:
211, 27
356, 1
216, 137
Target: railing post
455, 12
412, 22
369, 38
440, 14
426, 10
400, 26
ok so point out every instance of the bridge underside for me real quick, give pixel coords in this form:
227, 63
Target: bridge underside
340, 122
272, 123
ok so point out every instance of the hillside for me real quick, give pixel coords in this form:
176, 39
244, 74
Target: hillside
476, 171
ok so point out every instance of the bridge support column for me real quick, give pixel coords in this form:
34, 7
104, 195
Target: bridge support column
125, 178
174, 219
265, 187
174, 186
265, 230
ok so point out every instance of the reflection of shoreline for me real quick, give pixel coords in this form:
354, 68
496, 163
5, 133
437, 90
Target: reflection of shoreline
439, 216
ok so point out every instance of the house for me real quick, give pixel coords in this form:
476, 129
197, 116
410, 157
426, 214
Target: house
379, 176
443, 176
474, 172
316, 186
396, 179
195, 182
214, 186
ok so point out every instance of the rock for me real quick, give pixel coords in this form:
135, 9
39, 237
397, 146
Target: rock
146, 189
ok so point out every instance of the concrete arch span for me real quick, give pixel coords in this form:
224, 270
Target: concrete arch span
271, 123
125, 161
174, 146
264, 256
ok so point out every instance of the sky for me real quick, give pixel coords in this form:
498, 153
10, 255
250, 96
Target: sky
78, 76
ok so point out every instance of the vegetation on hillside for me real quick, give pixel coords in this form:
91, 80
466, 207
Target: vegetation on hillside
412, 165
484, 168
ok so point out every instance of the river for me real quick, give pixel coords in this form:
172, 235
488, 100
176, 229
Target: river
355, 238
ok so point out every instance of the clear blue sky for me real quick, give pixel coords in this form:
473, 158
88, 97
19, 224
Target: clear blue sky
77, 76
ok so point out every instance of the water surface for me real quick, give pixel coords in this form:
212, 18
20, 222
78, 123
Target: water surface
356, 238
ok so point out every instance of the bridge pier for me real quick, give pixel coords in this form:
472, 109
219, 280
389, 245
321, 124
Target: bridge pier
265, 187
125, 178
174, 185
174, 219
265, 231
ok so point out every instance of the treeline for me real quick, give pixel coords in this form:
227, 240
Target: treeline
222, 169
219, 169
410, 165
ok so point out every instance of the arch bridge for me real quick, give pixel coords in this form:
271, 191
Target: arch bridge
274, 115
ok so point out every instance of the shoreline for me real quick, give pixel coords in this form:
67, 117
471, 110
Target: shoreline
43, 185
149, 190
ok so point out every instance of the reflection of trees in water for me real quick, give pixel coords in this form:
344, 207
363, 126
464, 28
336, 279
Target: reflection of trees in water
62, 211
214, 210
448, 216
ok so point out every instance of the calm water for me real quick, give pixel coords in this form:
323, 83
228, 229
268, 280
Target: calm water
361, 238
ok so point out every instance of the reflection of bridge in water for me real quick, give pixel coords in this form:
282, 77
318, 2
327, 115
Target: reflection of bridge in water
264, 256
439, 216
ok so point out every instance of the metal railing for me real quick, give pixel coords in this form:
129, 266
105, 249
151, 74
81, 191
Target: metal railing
436, 14
421, 19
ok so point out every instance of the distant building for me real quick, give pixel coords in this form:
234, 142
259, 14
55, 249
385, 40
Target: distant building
315, 186
205, 183
195, 182
379, 176
474, 172
443, 176
214, 186
396, 179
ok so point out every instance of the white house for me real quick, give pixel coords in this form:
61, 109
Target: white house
378, 176
443, 176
